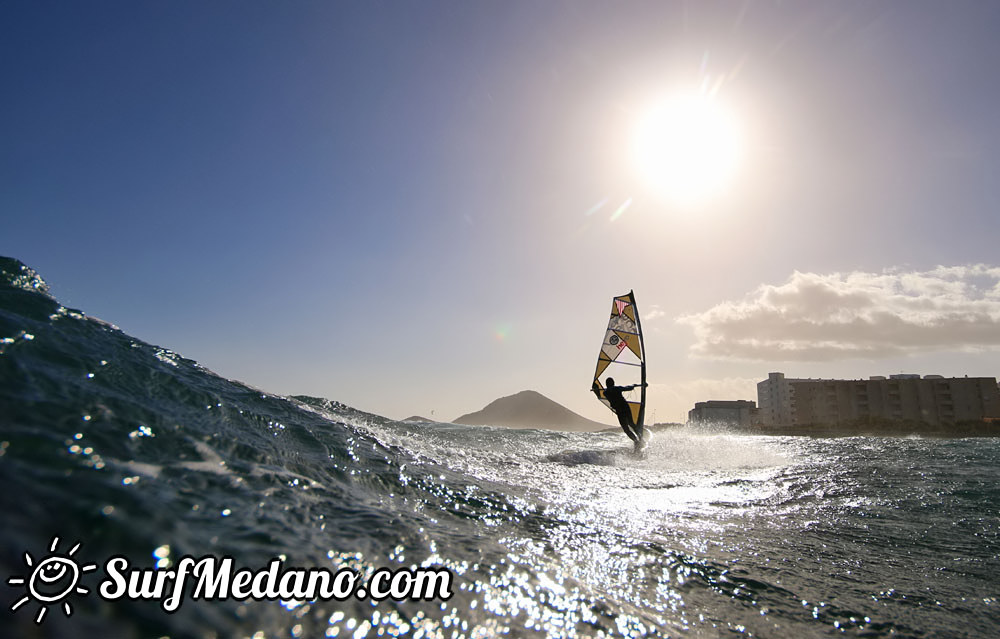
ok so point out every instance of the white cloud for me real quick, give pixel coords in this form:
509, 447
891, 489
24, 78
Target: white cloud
653, 314
814, 317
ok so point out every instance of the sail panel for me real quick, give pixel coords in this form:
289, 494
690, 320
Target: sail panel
621, 355
602, 364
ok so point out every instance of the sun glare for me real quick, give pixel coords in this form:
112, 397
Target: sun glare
688, 149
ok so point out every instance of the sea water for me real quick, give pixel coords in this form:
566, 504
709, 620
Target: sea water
131, 450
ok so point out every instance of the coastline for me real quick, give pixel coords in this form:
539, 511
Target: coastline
894, 429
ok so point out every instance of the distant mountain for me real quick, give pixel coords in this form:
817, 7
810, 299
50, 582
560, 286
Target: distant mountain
529, 409
417, 418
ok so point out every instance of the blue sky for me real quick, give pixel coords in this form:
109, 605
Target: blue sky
411, 207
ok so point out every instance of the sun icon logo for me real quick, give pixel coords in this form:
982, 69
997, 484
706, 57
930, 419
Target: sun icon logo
52, 580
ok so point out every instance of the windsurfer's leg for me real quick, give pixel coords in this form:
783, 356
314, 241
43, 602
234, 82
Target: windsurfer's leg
626, 424
633, 431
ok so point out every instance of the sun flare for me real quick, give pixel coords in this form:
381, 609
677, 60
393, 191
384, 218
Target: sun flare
688, 148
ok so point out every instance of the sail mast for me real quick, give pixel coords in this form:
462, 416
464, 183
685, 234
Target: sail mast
642, 359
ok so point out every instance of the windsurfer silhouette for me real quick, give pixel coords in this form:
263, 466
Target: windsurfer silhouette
618, 403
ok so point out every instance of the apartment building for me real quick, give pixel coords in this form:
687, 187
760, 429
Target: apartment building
931, 399
739, 412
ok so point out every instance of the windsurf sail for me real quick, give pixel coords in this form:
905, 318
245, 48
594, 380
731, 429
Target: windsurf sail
623, 356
